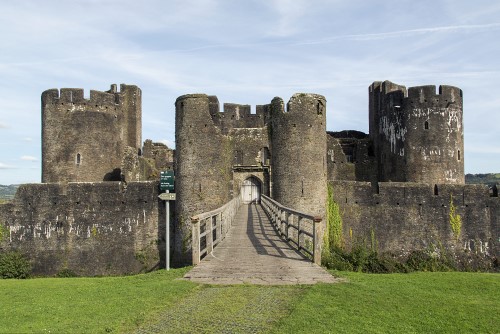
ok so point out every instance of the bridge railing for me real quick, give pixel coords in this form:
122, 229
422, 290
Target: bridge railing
301, 229
210, 228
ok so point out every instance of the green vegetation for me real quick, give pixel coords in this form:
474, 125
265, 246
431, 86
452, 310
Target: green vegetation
14, 265
333, 235
88, 305
399, 303
455, 220
4, 232
449, 302
7, 192
490, 179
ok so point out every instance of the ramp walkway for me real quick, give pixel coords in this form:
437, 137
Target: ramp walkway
254, 253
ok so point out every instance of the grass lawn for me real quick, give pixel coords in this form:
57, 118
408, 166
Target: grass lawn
88, 305
400, 303
157, 302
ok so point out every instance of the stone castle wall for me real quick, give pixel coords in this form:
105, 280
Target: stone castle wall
415, 216
88, 228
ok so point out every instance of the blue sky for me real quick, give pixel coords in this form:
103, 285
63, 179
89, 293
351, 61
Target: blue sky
245, 52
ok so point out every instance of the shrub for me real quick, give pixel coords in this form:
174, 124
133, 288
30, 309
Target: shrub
14, 265
66, 272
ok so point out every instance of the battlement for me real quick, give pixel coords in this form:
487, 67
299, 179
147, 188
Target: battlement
411, 194
97, 98
233, 115
300, 104
394, 93
427, 94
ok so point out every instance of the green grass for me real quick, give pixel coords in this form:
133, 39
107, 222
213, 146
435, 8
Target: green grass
449, 302
88, 305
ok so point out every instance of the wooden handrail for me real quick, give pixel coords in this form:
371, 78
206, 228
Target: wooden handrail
216, 223
283, 219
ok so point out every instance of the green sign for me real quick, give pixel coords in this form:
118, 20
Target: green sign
167, 180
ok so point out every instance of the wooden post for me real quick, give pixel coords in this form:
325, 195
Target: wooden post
317, 241
298, 231
220, 230
210, 235
196, 240
289, 220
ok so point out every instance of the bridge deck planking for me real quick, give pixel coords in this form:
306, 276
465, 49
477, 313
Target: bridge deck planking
254, 253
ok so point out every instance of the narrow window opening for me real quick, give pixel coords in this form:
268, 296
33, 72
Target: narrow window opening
426, 125
78, 158
459, 157
319, 108
302, 188
436, 190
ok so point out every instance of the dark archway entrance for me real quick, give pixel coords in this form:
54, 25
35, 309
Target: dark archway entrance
251, 190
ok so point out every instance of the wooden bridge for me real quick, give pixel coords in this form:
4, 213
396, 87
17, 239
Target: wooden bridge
257, 244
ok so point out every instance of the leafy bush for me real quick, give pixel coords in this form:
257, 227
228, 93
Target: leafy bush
14, 265
66, 272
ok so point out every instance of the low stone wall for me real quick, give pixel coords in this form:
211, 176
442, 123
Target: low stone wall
401, 217
103, 228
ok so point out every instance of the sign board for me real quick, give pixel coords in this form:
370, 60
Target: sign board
167, 197
167, 180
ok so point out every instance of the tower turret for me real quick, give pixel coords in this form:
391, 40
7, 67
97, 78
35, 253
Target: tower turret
417, 134
298, 148
85, 139
203, 163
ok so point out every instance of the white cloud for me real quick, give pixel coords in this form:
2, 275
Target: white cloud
29, 158
28, 139
5, 166
3, 126
406, 33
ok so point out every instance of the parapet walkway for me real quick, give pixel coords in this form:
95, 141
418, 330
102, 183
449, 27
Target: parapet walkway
254, 253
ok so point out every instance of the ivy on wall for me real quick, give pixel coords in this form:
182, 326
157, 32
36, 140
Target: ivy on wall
455, 220
333, 238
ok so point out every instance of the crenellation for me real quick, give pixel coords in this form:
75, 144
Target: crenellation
446, 97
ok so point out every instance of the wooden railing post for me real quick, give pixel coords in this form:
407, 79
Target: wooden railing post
290, 217
220, 231
317, 241
298, 231
196, 240
210, 235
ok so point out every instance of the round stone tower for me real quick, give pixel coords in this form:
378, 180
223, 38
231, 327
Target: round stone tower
434, 138
202, 167
298, 150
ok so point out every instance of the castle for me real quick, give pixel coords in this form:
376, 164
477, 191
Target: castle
98, 199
